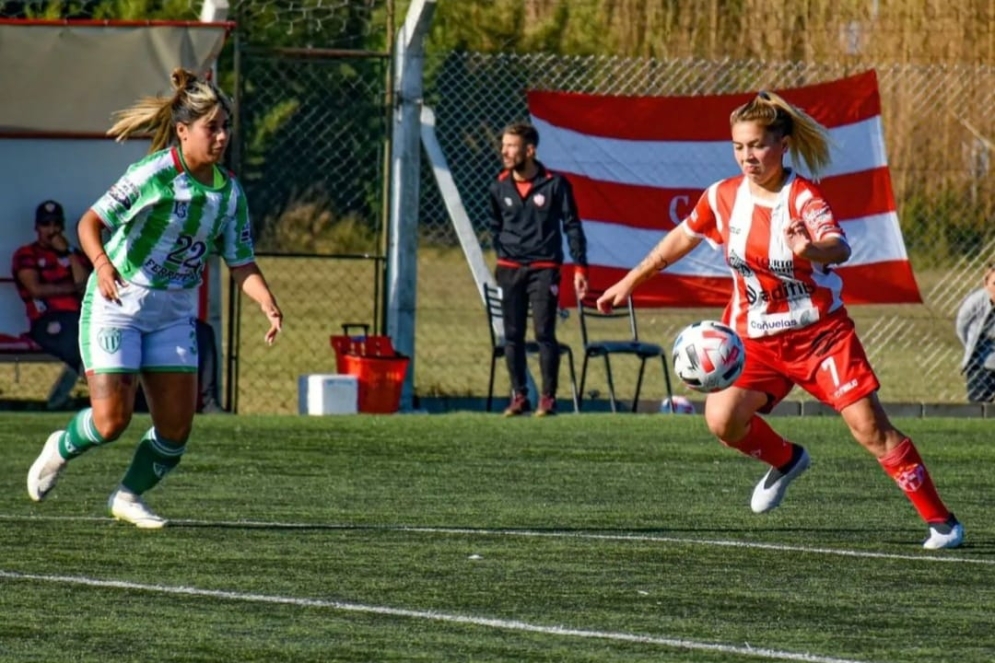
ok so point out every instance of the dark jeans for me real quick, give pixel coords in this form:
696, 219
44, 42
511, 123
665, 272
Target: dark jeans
57, 332
208, 389
521, 287
980, 383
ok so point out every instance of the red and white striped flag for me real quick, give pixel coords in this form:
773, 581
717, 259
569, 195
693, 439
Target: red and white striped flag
639, 164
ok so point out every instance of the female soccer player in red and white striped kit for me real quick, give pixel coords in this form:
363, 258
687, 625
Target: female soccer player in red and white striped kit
780, 239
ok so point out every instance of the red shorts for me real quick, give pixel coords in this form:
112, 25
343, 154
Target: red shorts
825, 359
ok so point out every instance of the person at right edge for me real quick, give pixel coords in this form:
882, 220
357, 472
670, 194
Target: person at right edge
531, 209
975, 327
780, 239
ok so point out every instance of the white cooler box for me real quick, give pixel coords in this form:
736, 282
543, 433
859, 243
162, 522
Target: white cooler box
327, 393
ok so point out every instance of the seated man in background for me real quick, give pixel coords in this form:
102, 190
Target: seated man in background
976, 331
51, 276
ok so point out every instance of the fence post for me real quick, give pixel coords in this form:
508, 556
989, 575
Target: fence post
402, 244
216, 11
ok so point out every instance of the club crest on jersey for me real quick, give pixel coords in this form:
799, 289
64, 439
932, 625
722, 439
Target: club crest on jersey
109, 339
539, 199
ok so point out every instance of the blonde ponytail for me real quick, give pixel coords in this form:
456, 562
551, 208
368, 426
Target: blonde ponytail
192, 99
809, 140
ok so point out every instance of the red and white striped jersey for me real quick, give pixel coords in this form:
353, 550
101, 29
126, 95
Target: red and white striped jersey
773, 290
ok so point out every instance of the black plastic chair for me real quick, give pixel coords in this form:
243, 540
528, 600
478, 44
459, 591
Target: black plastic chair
495, 323
587, 311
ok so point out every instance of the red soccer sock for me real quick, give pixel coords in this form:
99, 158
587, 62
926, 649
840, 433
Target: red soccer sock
762, 443
904, 465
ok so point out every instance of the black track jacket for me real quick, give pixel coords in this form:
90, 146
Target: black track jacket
530, 230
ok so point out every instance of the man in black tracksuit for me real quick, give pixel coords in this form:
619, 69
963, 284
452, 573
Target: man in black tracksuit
531, 209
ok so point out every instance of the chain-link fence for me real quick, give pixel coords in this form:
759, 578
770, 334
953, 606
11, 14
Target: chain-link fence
938, 125
311, 128
312, 164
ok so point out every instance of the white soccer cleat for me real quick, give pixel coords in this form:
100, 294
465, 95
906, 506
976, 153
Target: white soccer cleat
944, 535
770, 491
45, 471
131, 508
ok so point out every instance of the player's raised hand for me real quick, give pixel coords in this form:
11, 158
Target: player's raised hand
797, 236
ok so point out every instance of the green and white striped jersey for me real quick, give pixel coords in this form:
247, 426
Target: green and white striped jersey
164, 223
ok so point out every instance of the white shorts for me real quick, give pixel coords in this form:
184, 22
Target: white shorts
150, 330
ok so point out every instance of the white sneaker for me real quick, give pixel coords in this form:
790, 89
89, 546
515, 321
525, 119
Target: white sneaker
944, 535
45, 471
770, 491
131, 508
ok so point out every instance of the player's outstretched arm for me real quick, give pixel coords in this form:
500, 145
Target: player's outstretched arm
669, 250
252, 282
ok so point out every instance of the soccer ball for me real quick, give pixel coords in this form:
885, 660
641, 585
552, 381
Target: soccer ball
708, 356
677, 405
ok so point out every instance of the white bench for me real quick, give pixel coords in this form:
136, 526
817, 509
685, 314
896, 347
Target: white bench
16, 346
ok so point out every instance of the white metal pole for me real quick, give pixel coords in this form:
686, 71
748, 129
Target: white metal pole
402, 245
215, 11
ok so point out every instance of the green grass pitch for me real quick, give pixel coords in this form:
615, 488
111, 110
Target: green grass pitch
468, 537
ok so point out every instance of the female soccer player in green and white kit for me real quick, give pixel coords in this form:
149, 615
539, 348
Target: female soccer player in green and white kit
164, 216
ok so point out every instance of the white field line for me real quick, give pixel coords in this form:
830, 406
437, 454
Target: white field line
941, 557
486, 622
720, 543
